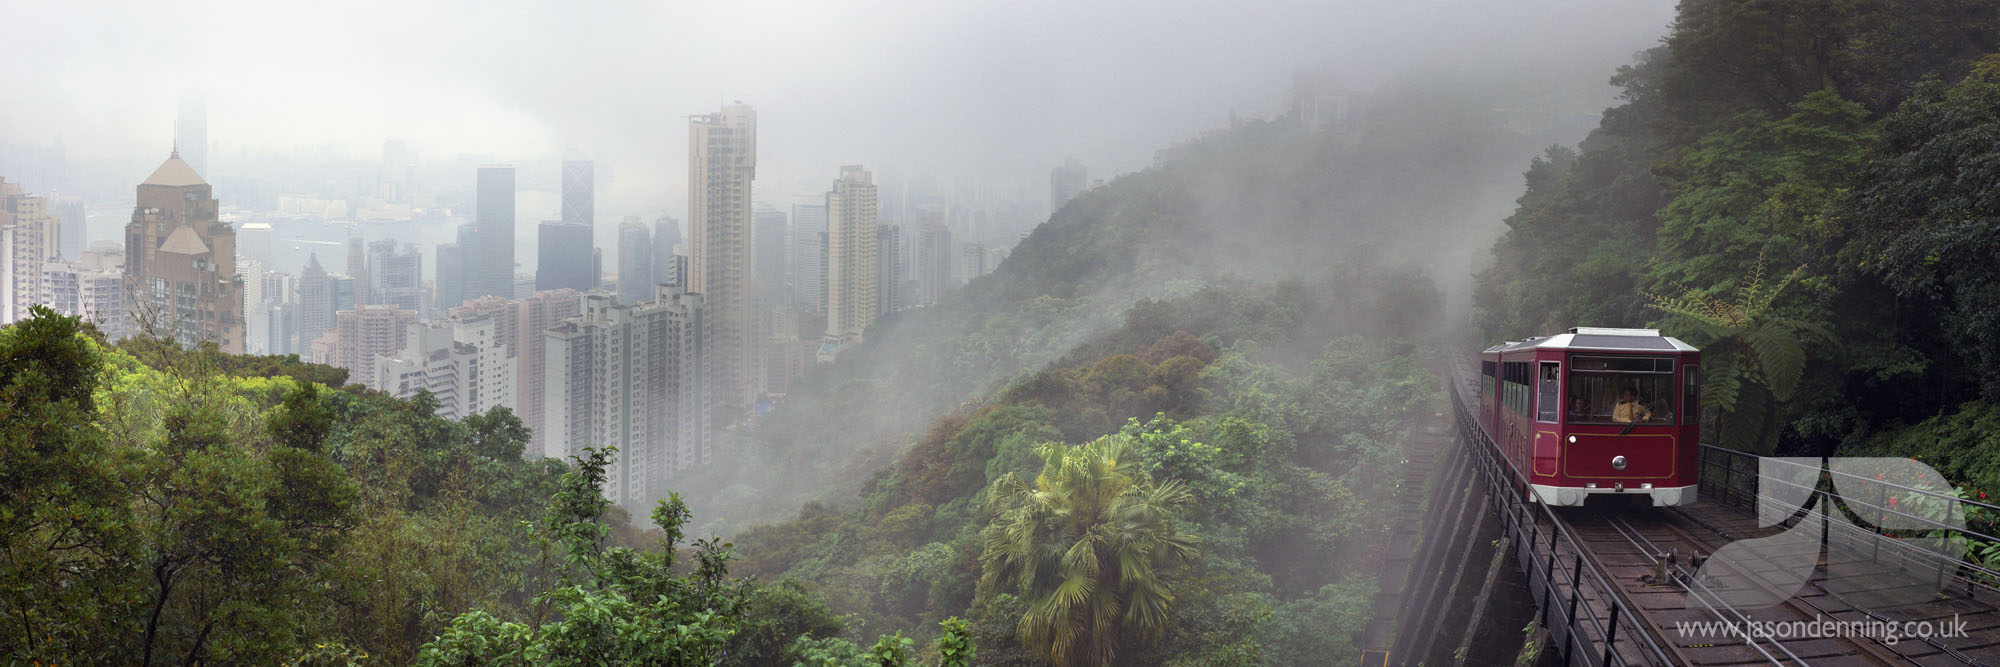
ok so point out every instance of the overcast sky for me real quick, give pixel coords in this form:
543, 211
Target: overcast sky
995, 89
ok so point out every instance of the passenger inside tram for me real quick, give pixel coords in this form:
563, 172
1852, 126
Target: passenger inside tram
1629, 409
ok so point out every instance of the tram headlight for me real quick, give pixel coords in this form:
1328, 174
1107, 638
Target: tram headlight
1618, 462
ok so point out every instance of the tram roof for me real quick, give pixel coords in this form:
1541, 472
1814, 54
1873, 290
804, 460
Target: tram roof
1600, 339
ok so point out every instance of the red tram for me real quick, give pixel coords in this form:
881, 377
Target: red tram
1595, 410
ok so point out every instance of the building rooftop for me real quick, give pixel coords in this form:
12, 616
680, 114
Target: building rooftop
184, 241
174, 173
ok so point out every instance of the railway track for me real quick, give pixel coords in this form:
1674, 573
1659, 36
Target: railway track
1623, 581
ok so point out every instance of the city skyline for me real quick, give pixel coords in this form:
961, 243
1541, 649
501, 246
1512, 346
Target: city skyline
1108, 104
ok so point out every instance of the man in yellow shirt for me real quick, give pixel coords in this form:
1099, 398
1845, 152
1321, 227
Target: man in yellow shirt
1629, 410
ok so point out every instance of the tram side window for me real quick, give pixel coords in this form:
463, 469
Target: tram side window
1690, 394
1548, 386
1514, 382
1621, 390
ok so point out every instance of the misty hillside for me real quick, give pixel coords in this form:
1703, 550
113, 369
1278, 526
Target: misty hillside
1263, 203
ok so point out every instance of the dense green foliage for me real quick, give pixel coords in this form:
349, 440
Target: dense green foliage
1847, 145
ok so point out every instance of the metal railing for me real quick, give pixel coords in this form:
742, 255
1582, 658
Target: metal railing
1583, 634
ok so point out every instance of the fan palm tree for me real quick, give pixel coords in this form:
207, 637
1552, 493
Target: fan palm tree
1091, 547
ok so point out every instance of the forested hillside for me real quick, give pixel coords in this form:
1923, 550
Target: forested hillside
1803, 189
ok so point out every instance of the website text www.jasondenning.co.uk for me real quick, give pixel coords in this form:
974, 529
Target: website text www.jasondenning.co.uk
1887, 632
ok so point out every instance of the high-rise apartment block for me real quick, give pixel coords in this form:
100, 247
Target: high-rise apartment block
365, 333
460, 362
850, 254
29, 236
722, 163
631, 377
180, 260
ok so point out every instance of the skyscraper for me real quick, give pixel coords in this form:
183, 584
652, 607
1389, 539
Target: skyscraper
889, 270
396, 276
1065, 182
489, 265
367, 332
460, 362
454, 268
809, 256
357, 268
722, 162
562, 256
934, 251
635, 261
315, 311
768, 241
579, 189
666, 235
974, 265
69, 210
630, 376
29, 236
850, 254
180, 260
191, 132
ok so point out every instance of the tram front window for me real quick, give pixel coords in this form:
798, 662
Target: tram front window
1621, 390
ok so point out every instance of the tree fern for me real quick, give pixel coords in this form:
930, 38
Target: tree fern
1754, 357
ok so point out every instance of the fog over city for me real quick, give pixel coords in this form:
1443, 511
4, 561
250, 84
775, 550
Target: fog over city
993, 92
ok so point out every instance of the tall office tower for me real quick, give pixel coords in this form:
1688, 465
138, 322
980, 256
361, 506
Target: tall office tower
281, 306
933, 261
69, 211
489, 266
357, 268
524, 285
180, 260
889, 269
1065, 182
635, 261
809, 256
974, 264
460, 362
256, 319
563, 258
396, 277
29, 236
191, 132
722, 162
366, 332
768, 268
454, 267
631, 377
850, 254
596, 268
315, 312
579, 189
254, 241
